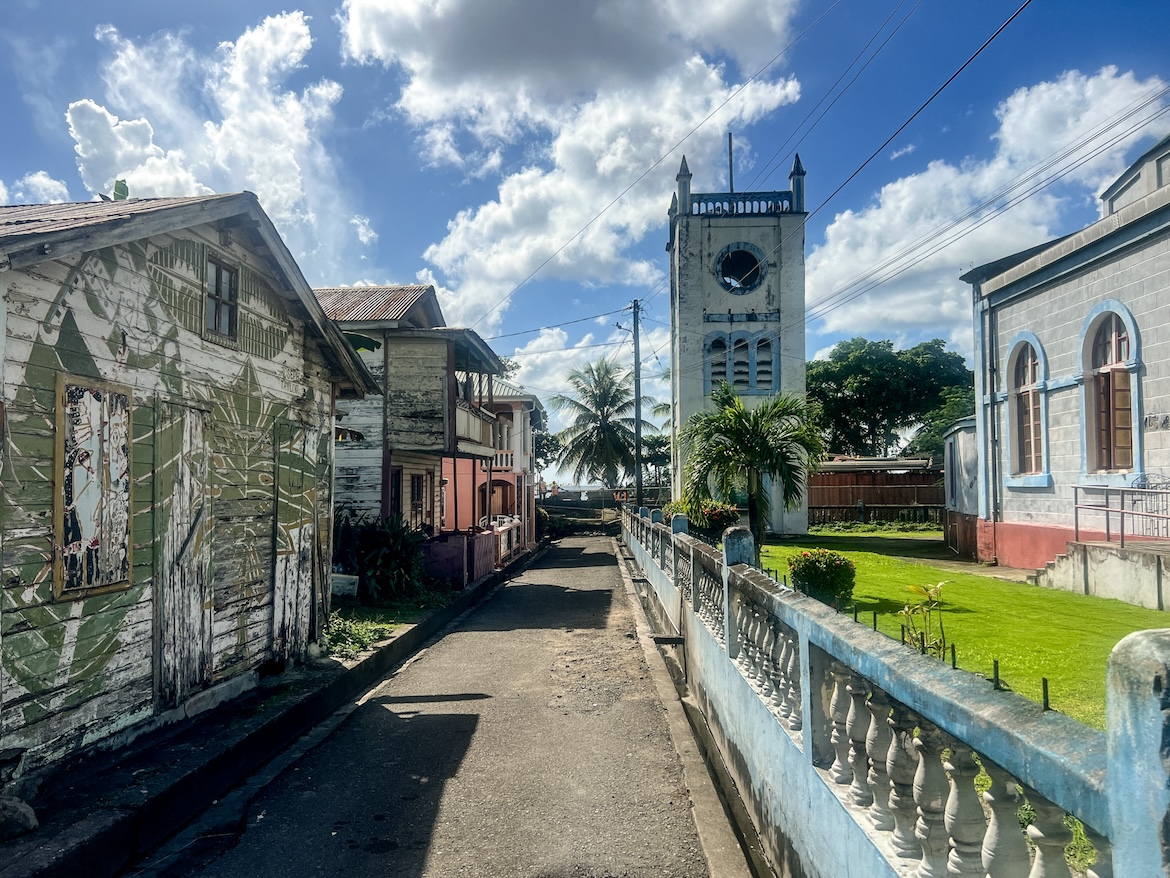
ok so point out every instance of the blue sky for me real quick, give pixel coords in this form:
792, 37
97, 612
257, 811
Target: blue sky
480, 144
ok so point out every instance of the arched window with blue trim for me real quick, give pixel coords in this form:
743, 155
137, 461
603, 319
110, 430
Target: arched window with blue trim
1112, 396
716, 361
1026, 409
764, 370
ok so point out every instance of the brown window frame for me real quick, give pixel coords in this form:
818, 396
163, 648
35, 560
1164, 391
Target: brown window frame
1112, 396
219, 303
1029, 427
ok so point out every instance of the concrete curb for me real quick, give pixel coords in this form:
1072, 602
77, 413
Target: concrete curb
720, 836
124, 825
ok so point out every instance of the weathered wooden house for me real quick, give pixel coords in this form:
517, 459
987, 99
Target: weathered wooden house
169, 383
438, 407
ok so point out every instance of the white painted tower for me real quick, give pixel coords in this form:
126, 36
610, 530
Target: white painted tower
737, 303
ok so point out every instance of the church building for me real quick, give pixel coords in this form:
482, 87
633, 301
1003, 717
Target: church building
737, 304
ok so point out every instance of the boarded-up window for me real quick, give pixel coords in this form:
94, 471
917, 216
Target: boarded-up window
92, 503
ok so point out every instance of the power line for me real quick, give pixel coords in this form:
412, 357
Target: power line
557, 325
888, 140
898, 131
657, 162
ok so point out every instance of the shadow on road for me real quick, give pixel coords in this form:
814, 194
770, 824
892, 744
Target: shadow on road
536, 605
562, 557
364, 804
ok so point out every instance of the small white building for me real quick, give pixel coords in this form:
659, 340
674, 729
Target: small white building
1073, 377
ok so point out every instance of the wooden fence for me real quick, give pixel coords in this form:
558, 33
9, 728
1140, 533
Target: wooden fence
914, 496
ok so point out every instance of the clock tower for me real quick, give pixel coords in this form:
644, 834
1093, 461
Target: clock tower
737, 304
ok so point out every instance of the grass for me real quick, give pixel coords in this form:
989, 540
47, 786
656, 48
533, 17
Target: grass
1034, 632
354, 628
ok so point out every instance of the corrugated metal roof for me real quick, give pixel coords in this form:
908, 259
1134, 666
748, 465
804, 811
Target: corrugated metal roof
370, 303
19, 221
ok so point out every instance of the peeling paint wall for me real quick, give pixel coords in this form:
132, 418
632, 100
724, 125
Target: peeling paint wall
417, 395
231, 466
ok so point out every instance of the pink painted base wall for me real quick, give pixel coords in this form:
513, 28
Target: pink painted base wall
1027, 546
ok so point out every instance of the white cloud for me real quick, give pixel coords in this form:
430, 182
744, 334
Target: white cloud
39, 188
904, 151
898, 234
364, 232
600, 92
36, 187
174, 122
547, 359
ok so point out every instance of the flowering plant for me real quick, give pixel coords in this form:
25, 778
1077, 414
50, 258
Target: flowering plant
824, 575
717, 517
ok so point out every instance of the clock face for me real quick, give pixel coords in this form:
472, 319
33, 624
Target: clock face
740, 267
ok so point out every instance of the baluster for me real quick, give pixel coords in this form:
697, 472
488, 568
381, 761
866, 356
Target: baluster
877, 746
964, 814
766, 634
780, 648
1005, 849
857, 725
795, 722
1103, 867
742, 614
753, 652
901, 764
1050, 836
930, 795
839, 771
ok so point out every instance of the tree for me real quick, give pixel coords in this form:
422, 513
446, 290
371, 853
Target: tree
731, 446
545, 448
656, 455
958, 402
867, 392
599, 441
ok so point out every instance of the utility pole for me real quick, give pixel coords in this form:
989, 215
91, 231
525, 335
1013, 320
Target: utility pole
637, 410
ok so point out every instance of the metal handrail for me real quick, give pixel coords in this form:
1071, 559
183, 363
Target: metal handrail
1122, 512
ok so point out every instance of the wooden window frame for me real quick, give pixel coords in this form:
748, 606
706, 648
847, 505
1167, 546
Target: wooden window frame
1112, 396
217, 302
1028, 414
67, 524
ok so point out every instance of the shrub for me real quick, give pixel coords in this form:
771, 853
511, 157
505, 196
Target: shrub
542, 522
384, 553
824, 575
350, 636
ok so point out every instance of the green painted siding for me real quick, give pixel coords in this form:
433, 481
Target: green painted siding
77, 669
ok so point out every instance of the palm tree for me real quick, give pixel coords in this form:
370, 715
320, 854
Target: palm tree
732, 446
599, 441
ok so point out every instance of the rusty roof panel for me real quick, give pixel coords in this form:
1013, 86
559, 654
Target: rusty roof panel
19, 221
370, 303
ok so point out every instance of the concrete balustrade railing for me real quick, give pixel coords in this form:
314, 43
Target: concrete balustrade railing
835, 734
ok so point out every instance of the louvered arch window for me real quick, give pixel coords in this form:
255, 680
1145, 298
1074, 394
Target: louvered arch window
764, 370
717, 361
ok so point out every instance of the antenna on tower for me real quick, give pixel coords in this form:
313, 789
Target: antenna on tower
730, 168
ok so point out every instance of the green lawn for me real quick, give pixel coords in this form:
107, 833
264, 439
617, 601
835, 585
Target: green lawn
1034, 632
